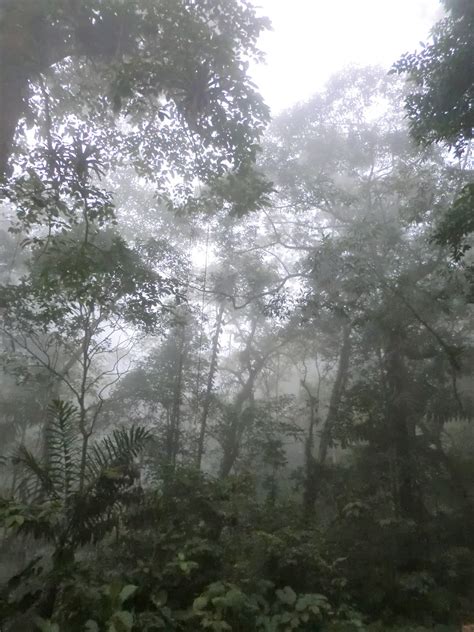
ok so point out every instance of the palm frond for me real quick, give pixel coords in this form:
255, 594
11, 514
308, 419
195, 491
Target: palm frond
63, 446
117, 450
35, 480
87, 511
110, 475
55, 474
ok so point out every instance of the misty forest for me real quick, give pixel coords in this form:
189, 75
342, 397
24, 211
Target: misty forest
237, 350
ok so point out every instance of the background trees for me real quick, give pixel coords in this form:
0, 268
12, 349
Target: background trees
236, 384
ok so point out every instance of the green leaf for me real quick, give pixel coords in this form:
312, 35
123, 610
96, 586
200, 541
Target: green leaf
160, 598
301, 604
91, 626
216, 589
121, 621
234, 598
14, 521
127, 591
287, 595
200, 603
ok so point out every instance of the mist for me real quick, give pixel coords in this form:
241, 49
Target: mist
236, 316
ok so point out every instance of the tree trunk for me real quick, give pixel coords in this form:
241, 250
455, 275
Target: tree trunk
337, 393
177, 399
210, 382
230, 447
236, 430
402, 428
310, 483
13, 86
312, 469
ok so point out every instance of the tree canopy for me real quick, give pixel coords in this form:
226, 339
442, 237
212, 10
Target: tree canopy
236, 359
168, 78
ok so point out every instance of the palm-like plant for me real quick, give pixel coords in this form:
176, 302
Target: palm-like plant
71, 500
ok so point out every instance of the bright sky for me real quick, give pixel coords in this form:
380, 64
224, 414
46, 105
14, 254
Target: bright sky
312, 39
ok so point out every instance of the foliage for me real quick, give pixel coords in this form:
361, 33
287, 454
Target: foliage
439, 105
441, 76
71, 496
458, 224
253, 415
165, 84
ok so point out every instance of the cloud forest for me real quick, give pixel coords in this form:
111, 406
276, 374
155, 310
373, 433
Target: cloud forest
236, 347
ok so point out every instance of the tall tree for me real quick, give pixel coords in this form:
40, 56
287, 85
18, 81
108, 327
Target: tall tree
362, 199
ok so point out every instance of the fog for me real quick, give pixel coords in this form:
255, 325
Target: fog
310, 41
236, 316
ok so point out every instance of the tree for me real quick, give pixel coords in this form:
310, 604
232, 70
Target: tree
441, 80
440, 107
362, 199
161, 393
213, 366
174, 72
86, 294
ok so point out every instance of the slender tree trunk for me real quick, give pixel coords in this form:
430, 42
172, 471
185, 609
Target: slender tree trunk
401, 425
85, 364
311, 487
234, 432
177, 399
337, 393
230, 448
210, 382
86, 434
310, 483
84, 449
168, 436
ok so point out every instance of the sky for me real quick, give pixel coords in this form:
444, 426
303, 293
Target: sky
312, 39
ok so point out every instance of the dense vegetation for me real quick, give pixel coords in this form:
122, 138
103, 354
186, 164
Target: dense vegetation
236, 358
